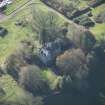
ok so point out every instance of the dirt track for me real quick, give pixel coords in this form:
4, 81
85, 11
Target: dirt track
29, 2
18, 9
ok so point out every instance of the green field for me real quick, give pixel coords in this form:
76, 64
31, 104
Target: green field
16, 3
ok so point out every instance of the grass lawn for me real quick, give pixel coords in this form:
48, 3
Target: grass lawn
98, 30
53, 79
15, 34
11, 7
9, 43
97, 10
83, 4
13, 93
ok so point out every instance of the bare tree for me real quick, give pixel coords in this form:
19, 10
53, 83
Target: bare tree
47, 25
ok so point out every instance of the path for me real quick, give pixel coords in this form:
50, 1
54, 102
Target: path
64, 17
18, 9
29, 2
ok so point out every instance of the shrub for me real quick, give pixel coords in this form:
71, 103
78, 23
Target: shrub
83, 39
22, 56
71, 62
32, 80
3, 32
87, 41
2, 93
